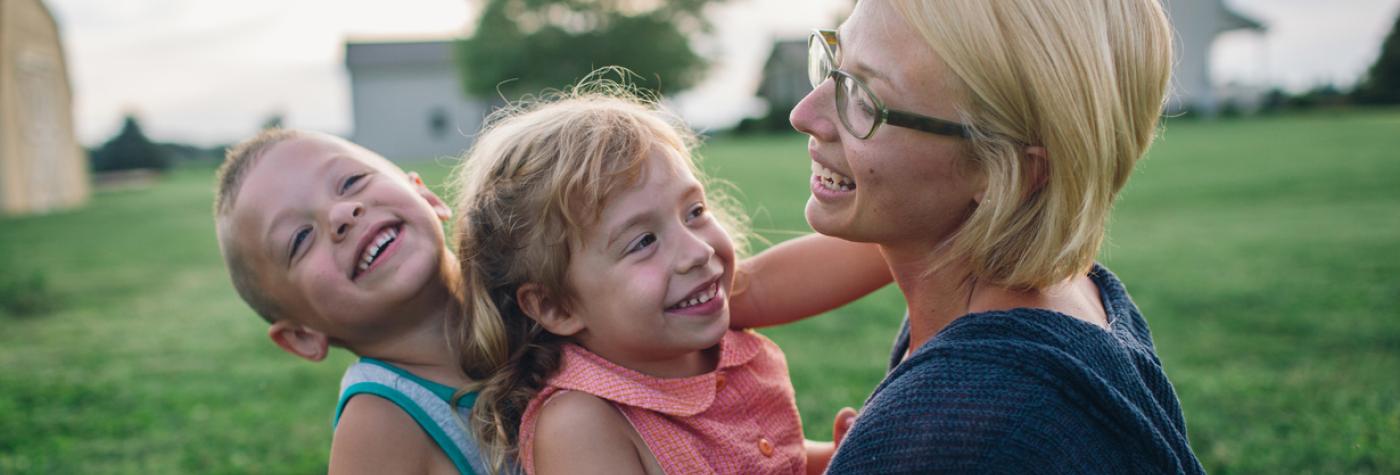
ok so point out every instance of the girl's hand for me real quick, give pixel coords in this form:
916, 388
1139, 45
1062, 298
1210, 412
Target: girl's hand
819, 453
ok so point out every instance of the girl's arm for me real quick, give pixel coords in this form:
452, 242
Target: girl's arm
803, 277
578, 433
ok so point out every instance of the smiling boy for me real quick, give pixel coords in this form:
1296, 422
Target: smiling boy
335, 246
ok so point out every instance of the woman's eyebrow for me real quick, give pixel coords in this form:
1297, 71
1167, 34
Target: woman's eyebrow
868, 73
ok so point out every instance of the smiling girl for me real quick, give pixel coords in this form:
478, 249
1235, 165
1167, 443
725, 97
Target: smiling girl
589, 242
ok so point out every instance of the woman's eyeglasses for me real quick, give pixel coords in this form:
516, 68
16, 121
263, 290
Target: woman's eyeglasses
860, 111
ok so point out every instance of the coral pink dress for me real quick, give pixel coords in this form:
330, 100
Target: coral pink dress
740, 418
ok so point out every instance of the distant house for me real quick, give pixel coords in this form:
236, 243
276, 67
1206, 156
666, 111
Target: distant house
1197, 23
785, 76
407, 99
42, 167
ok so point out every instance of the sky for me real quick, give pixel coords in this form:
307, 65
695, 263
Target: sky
211, 71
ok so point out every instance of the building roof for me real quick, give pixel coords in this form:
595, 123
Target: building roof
399, 53
1236, 21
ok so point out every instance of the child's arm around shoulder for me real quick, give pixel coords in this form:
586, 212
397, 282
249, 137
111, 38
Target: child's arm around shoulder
375, 436
580, 433
803, 277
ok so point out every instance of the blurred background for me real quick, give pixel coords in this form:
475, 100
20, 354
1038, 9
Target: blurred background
1261, 236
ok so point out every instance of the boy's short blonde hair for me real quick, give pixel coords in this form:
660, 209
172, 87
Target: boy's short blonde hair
1087, 80
238, 161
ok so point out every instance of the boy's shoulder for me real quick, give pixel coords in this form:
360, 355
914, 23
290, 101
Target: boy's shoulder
375, 435
381, 401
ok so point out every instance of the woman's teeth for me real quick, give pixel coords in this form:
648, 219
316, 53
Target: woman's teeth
831, 180
699, 297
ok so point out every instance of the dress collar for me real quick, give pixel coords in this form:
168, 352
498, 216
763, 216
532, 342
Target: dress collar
582, 370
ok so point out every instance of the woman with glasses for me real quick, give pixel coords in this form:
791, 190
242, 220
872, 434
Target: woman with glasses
981, 144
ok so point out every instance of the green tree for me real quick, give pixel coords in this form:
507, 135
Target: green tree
1382, 82
525, 46
129, 150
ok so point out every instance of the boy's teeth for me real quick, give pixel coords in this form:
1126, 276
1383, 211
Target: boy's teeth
831, 180
372, 252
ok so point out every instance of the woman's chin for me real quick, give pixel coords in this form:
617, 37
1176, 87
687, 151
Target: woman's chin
826, 221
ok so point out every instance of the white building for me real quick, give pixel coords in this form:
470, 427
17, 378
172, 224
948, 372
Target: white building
1198, 23
407, 99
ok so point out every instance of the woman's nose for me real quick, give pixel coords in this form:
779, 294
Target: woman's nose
343, 216
814, 114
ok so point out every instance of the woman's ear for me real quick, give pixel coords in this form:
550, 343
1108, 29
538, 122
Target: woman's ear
547, 310
439, 207
1037, 163
298, 340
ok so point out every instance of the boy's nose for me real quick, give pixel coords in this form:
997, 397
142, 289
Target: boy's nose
343, 217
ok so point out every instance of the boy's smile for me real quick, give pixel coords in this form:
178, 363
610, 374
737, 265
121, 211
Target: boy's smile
340, 239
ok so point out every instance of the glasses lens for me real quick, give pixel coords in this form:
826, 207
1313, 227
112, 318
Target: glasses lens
818, 65
855, 106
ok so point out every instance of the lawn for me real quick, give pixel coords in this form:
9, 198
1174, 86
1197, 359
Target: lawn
1264, 252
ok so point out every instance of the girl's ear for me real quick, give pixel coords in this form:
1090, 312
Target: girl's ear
547, 310
298, 340
439, 207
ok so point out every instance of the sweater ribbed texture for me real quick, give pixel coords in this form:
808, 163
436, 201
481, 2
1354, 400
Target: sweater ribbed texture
1025, 391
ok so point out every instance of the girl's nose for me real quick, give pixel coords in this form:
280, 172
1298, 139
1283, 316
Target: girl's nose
815, 114
343, 216
694, 253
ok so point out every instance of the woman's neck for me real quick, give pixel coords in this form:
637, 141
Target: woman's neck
938, 296
934, 298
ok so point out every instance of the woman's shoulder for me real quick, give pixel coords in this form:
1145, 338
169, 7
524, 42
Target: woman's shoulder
965, 416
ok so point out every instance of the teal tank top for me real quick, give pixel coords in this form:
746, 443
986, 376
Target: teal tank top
426, 401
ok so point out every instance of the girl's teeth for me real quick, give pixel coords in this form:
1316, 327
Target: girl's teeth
706, 297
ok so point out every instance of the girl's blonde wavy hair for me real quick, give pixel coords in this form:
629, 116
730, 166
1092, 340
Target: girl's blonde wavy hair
1087, 80
538, 176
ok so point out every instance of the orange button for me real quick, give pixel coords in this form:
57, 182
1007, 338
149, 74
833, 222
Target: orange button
765, 447
719, 381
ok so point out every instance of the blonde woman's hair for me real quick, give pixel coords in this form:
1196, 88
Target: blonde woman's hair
1087, 80
536, 179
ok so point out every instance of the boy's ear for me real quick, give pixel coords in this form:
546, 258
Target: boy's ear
298, 340
547, 310
439, 206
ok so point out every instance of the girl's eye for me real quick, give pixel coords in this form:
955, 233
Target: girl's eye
349, 182
699, 211
297, 238
642, 243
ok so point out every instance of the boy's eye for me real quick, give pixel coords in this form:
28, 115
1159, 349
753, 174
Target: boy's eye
642, 243
349, 182
297, 239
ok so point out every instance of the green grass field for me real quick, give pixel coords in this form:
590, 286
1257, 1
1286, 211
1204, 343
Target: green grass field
1265, 254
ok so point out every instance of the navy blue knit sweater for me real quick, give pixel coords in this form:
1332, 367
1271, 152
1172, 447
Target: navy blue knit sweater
1025, 391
